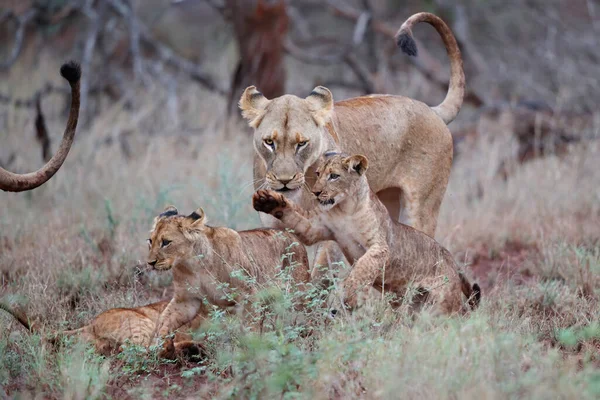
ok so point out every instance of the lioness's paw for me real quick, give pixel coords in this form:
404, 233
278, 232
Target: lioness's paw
269, 202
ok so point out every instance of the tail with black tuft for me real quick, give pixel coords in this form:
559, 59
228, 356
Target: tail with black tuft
71, 71
407, 44
472, 293
475, 296
449, 108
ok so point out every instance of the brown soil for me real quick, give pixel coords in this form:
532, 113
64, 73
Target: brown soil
490, 267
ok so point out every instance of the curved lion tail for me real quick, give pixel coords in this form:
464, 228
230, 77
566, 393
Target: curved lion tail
18, 315
473, 293
12, 182
449, 108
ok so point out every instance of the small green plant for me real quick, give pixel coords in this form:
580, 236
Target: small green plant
139, 360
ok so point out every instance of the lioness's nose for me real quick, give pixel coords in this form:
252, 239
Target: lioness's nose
152, 263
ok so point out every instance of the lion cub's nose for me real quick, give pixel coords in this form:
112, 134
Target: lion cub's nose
317, 193
285, 181
152, 263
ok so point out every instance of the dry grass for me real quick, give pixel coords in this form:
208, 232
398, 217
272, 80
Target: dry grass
76, 246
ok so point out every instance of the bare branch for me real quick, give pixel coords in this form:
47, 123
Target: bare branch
352, 85
41, 130
22, 21
167, 55
215, 4
311, 58
373, 58
360, 28
361, 72
342, 56
134, 40
299, 24
95, 17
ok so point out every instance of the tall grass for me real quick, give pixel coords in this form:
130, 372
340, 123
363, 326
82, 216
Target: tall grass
76, 247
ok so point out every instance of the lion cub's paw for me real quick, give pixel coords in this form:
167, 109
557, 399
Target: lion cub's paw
269, 202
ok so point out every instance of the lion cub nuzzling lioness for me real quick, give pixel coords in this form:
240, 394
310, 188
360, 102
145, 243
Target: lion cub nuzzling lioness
216, 264
386, 254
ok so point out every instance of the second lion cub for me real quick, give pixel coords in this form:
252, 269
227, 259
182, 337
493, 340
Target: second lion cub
386, 255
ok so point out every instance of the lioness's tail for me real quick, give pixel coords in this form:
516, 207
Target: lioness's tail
473, 293
449, 108
18, 315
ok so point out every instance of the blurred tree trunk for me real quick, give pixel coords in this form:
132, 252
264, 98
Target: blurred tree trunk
260, 28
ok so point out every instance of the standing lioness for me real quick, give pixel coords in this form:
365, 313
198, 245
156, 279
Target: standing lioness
386, 254
218, 265
407, 142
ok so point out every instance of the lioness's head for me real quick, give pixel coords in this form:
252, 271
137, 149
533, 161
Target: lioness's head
172, 237
289, 133
339, 177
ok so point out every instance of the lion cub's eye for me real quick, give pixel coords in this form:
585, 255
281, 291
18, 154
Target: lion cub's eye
149, 242
165, 243
317, 173
333, 177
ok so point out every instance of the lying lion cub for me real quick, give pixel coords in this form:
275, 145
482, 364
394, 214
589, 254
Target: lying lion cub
216, 264
112, 328
386, 254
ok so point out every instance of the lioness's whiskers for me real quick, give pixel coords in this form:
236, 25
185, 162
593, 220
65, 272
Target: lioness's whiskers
252, 182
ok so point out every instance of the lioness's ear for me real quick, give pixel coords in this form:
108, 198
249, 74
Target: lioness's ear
169, 211
321, 101
356, 163
253, 104
197, 217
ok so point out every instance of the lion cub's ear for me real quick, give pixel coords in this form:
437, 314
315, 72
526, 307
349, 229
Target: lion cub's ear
253, 104
321, 102
169, 211
197, 217
357, 163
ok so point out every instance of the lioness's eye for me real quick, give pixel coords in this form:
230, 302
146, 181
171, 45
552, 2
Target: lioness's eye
165, 242
303, 143
317, 173
149, 242
333, 177
269, 142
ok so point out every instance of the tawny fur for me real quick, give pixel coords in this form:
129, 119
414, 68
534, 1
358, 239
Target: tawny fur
203, 257
385, 254
407, 142
108, 331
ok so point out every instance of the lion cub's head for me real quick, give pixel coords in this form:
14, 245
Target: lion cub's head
339, 177
172, 237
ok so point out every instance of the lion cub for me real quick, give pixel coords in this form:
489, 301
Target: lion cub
112, 328
386, 255
215, 264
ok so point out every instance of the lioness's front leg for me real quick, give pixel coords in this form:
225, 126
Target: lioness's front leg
177, 313
364, 273
304, 223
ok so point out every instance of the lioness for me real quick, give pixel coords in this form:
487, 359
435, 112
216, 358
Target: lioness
112, 328
408, 142
386, 254
216, 264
